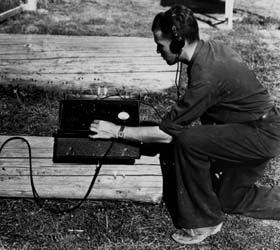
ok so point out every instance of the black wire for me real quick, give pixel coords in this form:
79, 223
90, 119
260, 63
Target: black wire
178, 79
97, 170
37, 198
35, 194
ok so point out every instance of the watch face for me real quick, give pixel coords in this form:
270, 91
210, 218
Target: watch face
121, 134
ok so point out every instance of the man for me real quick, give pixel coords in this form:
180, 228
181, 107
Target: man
216, 164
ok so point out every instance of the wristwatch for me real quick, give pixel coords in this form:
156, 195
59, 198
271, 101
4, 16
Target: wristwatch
121, 132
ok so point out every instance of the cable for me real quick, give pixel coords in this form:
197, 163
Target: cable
37, 198
178, 78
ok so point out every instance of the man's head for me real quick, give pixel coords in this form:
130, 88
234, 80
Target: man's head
172, 29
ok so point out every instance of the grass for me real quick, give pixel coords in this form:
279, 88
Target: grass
118, 226
104, 225
92, 17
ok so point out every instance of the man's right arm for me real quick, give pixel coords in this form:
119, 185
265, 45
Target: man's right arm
149, 134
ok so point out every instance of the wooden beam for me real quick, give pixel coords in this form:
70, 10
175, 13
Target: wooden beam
139, 182
229, 13
31, 5
84, 62
9, 13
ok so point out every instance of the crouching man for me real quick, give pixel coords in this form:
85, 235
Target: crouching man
217, 163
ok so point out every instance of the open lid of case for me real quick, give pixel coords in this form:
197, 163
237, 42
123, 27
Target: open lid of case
78, 114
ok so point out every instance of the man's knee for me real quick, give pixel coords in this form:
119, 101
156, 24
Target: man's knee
231, 200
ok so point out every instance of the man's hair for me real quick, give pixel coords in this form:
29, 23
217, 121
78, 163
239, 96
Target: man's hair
182, 18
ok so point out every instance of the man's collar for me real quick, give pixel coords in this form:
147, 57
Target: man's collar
199, 45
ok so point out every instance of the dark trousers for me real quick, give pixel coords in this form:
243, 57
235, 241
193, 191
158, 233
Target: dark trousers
214, 170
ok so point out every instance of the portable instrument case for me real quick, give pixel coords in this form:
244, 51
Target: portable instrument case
72, 143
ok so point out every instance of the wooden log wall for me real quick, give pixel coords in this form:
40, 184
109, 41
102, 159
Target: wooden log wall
139, 182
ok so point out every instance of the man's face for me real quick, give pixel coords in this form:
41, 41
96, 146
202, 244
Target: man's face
163, 48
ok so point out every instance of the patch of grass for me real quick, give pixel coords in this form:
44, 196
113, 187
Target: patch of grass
27, 109
117, 225
120, 18
250, 18
97, 17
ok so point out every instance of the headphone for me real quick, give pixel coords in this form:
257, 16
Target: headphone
178, 42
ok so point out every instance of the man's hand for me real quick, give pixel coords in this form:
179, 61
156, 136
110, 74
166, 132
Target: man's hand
103, 129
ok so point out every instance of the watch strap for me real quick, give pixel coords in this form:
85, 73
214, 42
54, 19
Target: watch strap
121, 132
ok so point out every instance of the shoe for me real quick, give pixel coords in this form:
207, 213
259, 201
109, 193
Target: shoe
194, 236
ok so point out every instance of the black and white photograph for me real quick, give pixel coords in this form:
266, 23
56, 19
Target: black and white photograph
139, 125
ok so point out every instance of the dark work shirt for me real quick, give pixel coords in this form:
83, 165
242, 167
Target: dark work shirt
220, 87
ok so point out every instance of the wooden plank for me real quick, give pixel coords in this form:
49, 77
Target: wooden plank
103, 182
31, 5
73, 40
44, 157
146, 189
140, 182
86, 66
39, 43
9, 13
14, 167
135, 81
84, 62
45, 57
46, 153
42, 148
99, 52
34, 141
229, 13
